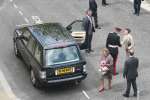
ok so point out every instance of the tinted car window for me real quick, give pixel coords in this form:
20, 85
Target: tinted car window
31, 45
62, 55
55, 30
38, 53
26, 34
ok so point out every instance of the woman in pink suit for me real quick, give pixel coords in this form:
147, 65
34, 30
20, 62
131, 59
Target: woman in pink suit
106, 66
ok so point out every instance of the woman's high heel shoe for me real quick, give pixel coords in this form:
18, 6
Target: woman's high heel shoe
100, 90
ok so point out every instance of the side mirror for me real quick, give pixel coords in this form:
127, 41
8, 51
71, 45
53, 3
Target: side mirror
69, 28
22, 37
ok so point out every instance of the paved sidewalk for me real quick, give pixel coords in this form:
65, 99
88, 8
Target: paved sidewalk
6, 92
3, 95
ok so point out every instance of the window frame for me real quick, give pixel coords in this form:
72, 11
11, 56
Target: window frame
78, 52
24, 30
33, 45
41, 58
74, 22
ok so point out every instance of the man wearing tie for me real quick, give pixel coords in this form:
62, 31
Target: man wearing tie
89, 29
130, 73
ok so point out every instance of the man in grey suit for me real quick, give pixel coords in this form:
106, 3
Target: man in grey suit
130, 73
89, 29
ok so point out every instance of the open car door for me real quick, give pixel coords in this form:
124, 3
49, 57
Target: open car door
77, 31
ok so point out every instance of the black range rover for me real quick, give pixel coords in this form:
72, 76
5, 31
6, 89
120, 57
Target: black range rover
50, 52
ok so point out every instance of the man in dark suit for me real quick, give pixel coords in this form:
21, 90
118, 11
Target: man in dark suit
130, 73
93, 8
137, 5
89, 29
112, 43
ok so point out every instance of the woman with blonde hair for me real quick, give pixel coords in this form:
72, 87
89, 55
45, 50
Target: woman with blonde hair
127, 42
106, 66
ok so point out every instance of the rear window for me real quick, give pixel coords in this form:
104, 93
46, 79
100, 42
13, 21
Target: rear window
62, 55
55, 30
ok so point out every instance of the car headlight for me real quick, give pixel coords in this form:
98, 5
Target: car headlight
84, 68
42, 74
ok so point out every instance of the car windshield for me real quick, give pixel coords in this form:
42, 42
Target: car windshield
62, 55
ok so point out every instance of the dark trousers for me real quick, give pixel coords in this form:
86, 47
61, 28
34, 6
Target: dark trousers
89, 44
134, 85
94, 14
114, 54
103, 2
137, 6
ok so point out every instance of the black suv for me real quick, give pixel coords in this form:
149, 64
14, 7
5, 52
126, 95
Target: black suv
50, 52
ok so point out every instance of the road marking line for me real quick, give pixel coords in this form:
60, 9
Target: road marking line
6, 87
86, 95
144, 4
21, 13
20, 25
15, 6
27, 21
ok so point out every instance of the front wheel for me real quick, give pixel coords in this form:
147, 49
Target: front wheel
34, 80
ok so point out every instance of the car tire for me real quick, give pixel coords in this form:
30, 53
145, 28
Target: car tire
16, 51
34, 80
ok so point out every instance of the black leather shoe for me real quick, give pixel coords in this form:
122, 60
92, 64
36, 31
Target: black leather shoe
91, 50
126, 95
105, 4
87, 51
97, 27
137, 14
135, 95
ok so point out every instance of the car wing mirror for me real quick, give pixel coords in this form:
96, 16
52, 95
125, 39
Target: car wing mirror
22, 37
69, 28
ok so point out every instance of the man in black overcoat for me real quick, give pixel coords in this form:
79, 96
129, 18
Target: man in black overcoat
137, 6
93, 8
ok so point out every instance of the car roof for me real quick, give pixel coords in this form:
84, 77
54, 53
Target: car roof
51, 35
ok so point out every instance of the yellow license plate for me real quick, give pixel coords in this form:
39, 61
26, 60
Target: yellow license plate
63, 71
